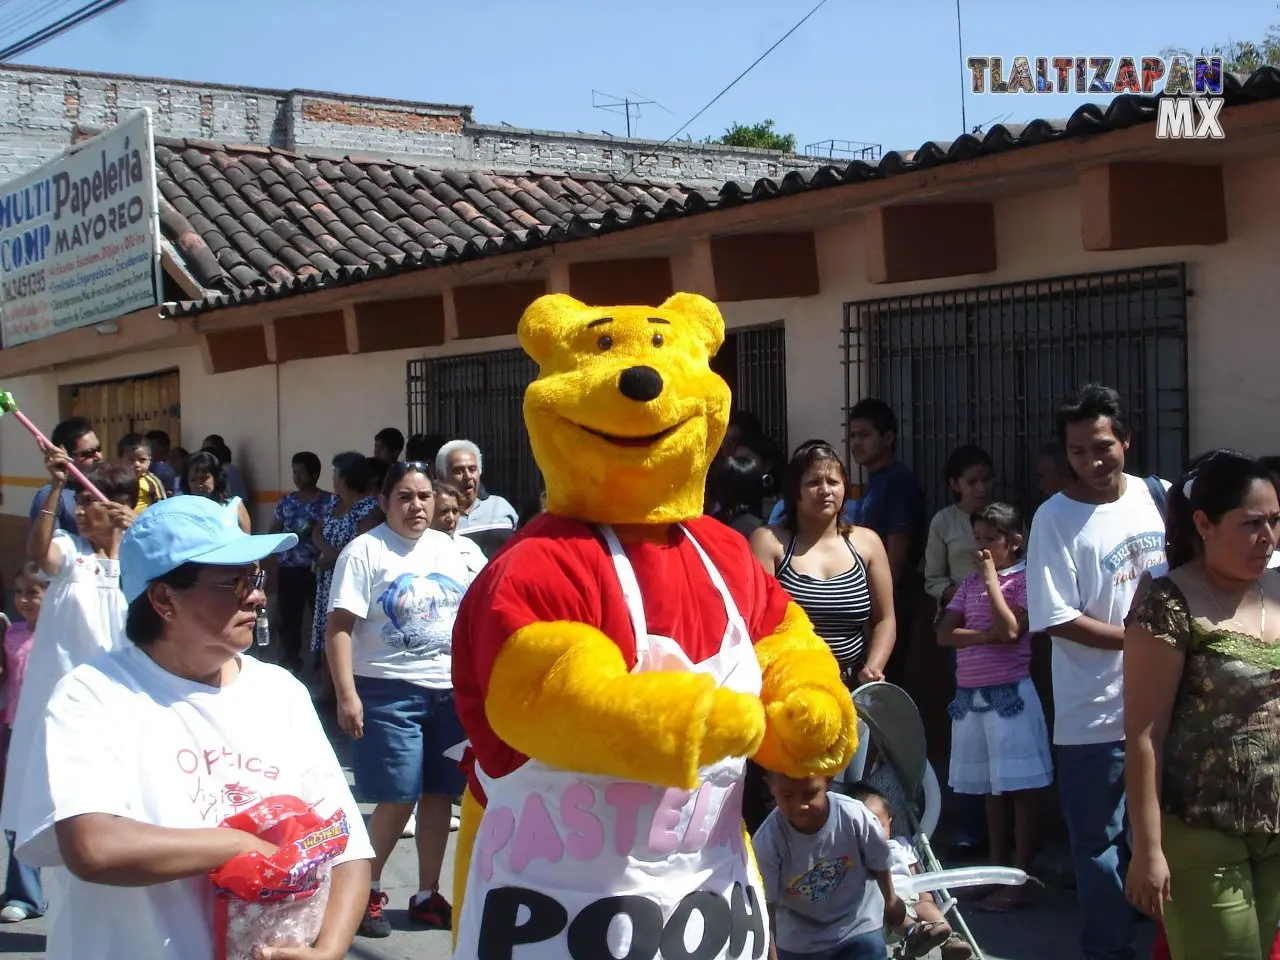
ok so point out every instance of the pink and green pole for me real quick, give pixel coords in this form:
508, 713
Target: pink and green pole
10, 405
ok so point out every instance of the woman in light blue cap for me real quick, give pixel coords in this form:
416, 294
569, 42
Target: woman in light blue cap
145, 751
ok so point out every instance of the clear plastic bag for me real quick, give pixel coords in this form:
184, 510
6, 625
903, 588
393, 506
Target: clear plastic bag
278, 900
282, 923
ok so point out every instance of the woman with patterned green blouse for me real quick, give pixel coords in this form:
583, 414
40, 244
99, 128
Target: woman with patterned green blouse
1202, 718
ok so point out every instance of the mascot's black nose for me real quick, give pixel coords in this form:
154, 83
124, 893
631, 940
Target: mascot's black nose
640, 384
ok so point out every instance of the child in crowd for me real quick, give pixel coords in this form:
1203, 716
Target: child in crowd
948, 555
948, 559
925, 927
825, 864
999, 741
134, 451
23, 897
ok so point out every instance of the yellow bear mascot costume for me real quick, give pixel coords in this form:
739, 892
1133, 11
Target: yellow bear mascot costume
615, 663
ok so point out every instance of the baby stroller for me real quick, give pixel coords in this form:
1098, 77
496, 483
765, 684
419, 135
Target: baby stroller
892, 758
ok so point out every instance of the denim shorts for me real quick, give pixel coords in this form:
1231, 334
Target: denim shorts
865, 946
407, 729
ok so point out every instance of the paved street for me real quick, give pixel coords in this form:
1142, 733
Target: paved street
1045, 931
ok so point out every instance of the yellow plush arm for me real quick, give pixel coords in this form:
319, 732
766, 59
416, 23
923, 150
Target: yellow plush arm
470, 823
810, 726
561, 693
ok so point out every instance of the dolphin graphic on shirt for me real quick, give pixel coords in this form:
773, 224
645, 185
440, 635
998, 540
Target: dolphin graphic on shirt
420, 611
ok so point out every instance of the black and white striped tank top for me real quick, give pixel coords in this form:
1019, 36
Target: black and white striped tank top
839, 607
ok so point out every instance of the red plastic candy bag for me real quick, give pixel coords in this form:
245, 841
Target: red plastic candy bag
277, 900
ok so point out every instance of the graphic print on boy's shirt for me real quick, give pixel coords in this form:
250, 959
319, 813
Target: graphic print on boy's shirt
821, 881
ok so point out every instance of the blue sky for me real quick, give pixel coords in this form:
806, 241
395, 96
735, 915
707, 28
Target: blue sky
882, 72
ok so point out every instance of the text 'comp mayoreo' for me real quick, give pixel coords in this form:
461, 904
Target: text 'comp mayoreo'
79, 201
79, 236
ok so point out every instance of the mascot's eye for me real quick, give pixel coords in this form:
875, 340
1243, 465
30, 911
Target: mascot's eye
605, 342
657, 340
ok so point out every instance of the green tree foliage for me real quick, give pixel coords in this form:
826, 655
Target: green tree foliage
760, 135
1241, 56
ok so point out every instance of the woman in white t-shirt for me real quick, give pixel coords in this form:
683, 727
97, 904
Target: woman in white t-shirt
84, 610
389, 639
144, 751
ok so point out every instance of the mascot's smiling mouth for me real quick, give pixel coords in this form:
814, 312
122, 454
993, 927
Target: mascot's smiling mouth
618, 441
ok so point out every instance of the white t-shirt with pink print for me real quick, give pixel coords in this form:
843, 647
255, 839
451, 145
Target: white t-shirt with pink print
124, 737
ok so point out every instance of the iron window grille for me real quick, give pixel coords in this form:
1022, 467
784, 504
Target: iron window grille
479, 397
990, 365
753, 361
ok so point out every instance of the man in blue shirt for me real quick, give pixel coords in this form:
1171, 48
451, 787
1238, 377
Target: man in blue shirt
893, 505
75, 436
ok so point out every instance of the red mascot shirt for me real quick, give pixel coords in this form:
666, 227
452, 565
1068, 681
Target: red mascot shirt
559, 569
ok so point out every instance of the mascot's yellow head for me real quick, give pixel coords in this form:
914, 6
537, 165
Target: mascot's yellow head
626, 414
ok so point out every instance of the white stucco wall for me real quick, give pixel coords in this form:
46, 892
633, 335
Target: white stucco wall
338, 403
1234, 336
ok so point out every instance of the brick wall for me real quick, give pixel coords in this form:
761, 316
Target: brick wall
39, 108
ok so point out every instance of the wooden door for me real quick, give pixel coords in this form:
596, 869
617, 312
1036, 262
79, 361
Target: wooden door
133, 405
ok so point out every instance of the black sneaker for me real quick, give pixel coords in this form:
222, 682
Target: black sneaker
375, 923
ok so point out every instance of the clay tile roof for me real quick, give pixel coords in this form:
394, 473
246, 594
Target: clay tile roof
255, 223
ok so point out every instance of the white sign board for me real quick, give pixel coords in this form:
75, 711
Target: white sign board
80, 236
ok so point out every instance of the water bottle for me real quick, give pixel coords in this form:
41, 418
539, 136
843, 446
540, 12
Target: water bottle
262, 629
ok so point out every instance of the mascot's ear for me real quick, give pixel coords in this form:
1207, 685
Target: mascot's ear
545, 323
703, 315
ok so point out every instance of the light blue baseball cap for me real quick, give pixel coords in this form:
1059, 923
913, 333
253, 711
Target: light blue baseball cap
189, 529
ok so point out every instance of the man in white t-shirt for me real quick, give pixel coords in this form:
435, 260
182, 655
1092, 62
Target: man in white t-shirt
1090, 545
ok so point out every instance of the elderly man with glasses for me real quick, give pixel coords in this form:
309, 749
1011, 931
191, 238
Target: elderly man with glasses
77, 439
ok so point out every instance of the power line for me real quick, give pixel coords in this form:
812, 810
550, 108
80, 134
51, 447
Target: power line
57, 28
16, 21
710, 103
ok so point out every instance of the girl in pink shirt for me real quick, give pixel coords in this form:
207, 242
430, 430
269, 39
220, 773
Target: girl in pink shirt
23, 897
999, 740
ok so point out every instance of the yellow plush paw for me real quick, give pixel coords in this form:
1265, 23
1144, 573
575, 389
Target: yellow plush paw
814, 729
735, 727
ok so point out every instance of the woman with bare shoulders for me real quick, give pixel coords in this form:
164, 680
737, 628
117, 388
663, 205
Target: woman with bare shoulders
837, 573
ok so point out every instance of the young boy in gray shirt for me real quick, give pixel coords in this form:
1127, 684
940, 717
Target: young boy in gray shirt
825, 864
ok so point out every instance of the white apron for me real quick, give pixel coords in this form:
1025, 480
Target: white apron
569, 866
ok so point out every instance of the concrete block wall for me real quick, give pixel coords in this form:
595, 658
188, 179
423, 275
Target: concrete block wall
39, 108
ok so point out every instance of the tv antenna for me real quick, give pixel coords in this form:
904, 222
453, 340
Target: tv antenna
999, 118
628, 106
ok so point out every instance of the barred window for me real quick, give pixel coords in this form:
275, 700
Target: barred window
479, 397
990, 365
753, 361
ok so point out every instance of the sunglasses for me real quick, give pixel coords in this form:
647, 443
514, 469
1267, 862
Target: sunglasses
89, 454
245, 585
